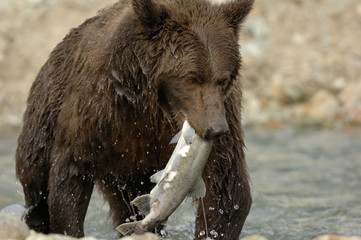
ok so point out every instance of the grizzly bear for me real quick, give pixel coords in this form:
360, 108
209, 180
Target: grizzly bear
111, 96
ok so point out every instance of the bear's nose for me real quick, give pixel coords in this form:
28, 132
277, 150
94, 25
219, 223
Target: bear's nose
216, 131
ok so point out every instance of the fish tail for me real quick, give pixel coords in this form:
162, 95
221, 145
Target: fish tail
127, 228
143, 203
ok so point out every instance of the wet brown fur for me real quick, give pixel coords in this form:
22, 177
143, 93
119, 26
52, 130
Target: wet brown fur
105, 105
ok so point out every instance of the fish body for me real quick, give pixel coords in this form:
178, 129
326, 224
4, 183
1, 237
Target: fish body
181, 177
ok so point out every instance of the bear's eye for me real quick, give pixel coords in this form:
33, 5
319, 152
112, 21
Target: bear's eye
222, 82
191, 80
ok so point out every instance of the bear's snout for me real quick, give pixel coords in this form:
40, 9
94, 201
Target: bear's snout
216, 131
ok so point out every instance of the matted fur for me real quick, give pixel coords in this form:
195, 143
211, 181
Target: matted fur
105, 105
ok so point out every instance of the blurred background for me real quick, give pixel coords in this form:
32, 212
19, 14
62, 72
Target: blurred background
302, 109
302, 59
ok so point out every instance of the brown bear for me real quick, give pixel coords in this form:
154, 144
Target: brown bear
113, 93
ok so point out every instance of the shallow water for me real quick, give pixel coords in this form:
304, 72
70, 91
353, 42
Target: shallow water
304, 183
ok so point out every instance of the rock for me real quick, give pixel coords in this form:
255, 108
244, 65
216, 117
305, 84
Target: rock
40, 236
145, 236
335, 237
285, 87
11, 227
253, 110
338, 84
257, 27
358, 9
299, 38
322, 107
3, 46
254, 237
350, 98
14, 209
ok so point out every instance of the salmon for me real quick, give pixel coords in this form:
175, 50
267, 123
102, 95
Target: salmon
181, 178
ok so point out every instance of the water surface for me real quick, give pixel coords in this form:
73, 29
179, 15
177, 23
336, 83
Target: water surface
304, 183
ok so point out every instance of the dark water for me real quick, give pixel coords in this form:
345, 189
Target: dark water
304, 182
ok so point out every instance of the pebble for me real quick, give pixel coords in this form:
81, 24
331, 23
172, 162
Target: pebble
11, 227
254, 237
336, 237
322, 107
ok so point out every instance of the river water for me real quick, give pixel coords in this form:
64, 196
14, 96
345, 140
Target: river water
304, 183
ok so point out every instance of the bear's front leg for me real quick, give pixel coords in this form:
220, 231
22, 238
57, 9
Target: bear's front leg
69, 196
228, 199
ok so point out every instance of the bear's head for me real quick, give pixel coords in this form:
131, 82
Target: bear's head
193, 57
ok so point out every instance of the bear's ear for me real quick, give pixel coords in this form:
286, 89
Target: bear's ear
236, 11
149, 13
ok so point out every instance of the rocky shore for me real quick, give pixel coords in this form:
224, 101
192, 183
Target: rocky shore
323, 237
303, 63
11, 228
302, 60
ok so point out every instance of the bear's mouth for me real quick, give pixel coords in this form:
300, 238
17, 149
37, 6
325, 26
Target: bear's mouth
183, 117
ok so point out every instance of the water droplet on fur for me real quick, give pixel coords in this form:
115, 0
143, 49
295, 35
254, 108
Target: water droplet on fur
220, 211
147, 153
127, 220
134, 217
202, 233
211, 208
214, 233
236, 207
141, 183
